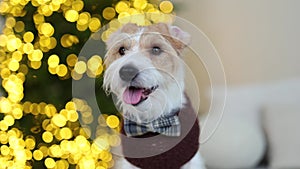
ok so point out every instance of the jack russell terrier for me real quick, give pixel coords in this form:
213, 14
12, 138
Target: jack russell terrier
145, 73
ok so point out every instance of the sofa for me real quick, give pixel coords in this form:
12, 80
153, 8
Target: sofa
259, 128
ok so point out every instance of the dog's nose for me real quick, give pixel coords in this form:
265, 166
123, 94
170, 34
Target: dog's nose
128, 72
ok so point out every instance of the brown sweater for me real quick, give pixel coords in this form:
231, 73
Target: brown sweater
165, 152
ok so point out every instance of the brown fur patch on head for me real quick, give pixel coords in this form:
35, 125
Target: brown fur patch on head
160, 28
165, 60
118, 39
130, 28
169, 33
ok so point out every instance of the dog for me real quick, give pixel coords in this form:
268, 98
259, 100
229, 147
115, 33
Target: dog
145, 74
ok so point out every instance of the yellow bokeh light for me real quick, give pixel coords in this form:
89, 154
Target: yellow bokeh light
7, 31
80, 67
4, 150
124, 17
55, 151
3, 40
34, 108
30, 143
72, 116
122, 6
5, 73
64, 112
17, 113
52, 70
105, 35
94, 62
10, 22
28, 154
68, 40
71, 15
133, 11
87, 163
82, 27
13, 44
21, 76
105, 156
26, 107
54, 7
166, 6
71, 60
53, 43
5, 105
61, 70
46, 29
17, 55
108, 13
3, 126
62, 164
112, 121
9, 120
28, 48
53, 61
44, 150
44, 41
140, 4
4, 7
37, 155
138, 19
59, 120
36, 55
77, 5
101, 143
114, 24
94, 24
114, 140
38, 19
50, 163
13, 65
45, 10
66, 133
47, 137
19, 27
70, 106
83, 18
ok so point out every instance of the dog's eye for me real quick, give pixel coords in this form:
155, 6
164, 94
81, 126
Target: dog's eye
122, 50
155, 50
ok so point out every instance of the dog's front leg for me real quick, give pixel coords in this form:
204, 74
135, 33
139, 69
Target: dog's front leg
195, 163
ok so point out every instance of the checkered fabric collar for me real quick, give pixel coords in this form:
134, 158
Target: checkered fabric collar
165, 125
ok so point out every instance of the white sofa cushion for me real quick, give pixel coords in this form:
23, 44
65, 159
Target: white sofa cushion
282, 125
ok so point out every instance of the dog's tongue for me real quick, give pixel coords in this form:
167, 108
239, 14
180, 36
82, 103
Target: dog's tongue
132, 95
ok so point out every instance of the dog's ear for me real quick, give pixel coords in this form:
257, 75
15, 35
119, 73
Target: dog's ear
180, 35
178, 38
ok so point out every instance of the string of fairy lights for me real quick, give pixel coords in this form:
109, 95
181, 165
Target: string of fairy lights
58, 140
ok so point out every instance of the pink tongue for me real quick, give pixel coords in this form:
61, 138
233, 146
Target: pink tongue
132, 96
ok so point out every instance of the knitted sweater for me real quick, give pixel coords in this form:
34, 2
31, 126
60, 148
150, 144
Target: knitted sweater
155, 151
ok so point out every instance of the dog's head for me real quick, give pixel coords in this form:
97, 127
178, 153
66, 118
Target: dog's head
145, 71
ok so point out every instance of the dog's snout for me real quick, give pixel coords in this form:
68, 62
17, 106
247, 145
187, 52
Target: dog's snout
128, 72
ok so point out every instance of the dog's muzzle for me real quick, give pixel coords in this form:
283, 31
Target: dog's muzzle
134, 94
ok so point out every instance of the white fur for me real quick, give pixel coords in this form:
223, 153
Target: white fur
166, 98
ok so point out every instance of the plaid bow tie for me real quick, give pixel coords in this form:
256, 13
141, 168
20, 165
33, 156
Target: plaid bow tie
169, 126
